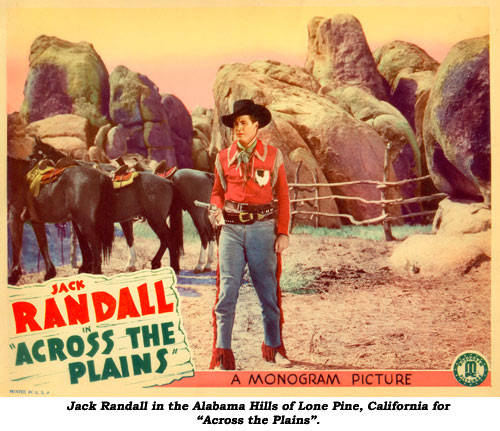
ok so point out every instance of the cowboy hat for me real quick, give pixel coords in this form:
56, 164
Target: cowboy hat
248, 107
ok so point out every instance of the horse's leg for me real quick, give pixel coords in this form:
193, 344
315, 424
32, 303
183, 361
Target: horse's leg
202, 258
85, 249
202, 224
128, 231
211, 256
95, 247
90, 246
41, 237
16, 234
161, 229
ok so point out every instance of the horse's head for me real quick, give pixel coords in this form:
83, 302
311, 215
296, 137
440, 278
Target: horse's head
41, 151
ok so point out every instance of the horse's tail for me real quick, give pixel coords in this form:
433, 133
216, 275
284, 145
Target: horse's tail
105, 225
176, 224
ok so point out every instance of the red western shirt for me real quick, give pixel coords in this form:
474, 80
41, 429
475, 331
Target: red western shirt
254, 182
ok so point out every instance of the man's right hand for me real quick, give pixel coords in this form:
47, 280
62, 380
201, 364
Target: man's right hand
216, 217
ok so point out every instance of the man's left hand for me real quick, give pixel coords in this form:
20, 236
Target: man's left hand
281, 243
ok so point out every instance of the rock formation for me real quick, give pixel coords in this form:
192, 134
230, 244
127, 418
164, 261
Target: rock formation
125, 112
457, 122
393, 129
410, 72
66, 132
345, 148
461, 242
202, 130
140, 121
181, 129
333, 118
455, 217
65, 78
338, 54
429, 255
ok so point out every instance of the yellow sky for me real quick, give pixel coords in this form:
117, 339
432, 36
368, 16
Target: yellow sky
180, 49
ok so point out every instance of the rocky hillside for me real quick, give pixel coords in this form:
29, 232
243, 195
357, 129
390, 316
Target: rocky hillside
334, 116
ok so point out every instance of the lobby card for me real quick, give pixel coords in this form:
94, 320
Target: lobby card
364, 313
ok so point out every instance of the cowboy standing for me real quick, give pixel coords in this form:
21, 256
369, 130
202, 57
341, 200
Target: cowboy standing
247, 174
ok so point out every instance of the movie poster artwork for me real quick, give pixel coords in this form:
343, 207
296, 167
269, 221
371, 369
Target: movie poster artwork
81, 330
382, 118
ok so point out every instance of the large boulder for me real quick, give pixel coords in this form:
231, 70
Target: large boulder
338, 54
65, 78
456, 125
409, 70
394, 130
435, 255
309, 172
140, 122
116, 141
159, 143
67, 133
455, 217
135, 99
62, 125
398, 57
388, 122
258, 80
344, 147
181, 129
101, 137
202, 130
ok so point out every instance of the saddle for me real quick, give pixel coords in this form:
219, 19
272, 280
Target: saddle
45, 172
122, 178
163, 171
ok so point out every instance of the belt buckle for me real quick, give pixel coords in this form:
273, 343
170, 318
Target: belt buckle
242, 219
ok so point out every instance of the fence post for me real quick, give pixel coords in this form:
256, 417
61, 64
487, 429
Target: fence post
295, 194
383, 189
316, 202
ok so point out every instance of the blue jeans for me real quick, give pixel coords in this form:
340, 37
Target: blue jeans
240, 244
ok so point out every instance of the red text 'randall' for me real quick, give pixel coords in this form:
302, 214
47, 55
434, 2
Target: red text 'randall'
78, 310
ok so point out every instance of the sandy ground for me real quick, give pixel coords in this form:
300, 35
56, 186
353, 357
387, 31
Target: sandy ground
357, 314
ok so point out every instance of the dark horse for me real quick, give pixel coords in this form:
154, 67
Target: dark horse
79, 194
148, 196
191, 185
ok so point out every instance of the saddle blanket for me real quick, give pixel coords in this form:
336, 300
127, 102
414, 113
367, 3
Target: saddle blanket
38, 177
121, 181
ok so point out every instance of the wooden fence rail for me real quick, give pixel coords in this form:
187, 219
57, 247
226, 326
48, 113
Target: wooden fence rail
350, 183
385, 217
384, 203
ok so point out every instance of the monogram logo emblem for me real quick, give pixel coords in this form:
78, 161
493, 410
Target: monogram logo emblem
470, 369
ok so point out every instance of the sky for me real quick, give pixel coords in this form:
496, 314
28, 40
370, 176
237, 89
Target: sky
181, 48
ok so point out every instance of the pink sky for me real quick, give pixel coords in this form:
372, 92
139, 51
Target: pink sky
181, 50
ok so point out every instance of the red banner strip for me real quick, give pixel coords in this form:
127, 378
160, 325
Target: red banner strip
306, 379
